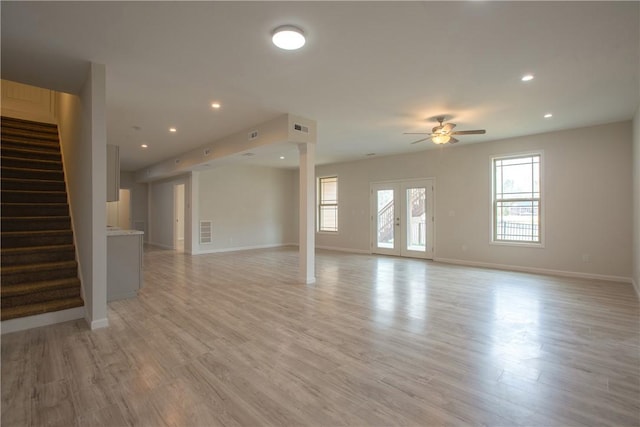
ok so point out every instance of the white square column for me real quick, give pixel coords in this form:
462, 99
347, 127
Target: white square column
307, 230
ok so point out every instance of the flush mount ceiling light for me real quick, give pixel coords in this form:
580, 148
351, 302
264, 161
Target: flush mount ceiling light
527, 77
144, 146
288, 37
548, 116
215, 105
173, 130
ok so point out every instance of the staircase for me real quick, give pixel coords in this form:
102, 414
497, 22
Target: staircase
39, 272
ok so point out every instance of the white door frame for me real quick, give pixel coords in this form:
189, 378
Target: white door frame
400, 215
176, 208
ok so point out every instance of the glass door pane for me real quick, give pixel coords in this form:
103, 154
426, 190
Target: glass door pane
416, 229
385, 216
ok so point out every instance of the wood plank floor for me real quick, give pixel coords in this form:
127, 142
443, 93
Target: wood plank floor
233, 339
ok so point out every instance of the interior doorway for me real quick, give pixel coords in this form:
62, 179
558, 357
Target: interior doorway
178, 217
402, 218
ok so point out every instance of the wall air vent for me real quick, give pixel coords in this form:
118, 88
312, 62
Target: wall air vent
253, 135
300, 128
206, 231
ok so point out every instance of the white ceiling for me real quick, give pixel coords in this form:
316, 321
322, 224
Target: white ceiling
369, 71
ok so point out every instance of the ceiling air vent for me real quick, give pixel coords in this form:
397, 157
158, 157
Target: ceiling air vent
300, 128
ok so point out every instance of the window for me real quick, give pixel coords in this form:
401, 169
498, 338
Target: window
328, 204
516, 199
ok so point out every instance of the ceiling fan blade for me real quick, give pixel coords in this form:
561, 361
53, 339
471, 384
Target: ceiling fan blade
415, 133
448, 127
436, 129
453, 140
420, 140
469, 132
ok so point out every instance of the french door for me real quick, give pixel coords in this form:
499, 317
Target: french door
402, 218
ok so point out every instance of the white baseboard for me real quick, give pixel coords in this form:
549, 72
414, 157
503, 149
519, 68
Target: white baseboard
240, 248
339, 249
536, 270
45, 319
160, 245
98, 324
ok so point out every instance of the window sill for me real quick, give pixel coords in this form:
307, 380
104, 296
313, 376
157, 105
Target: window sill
518, 244
328, 233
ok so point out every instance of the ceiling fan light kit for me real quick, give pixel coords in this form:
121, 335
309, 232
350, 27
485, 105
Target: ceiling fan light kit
442, 134
440, 139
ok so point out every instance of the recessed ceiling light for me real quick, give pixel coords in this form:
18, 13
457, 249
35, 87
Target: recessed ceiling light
548, 115
173, 130
144, 146
288, 37
281, 157
527, 77
215, 105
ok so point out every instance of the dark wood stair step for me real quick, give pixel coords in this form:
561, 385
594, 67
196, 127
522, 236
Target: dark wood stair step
34, 197
30, 153
33, 287
24, 239
36, 255
39, 164
32, 173
30, 209
32, 184
29, 134
25, 142
40, 308
41, 296
12, 122
38, 272
26, 223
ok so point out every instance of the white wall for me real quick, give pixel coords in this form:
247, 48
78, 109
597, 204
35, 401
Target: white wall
636, 201
83, 141
250, 207
587, 188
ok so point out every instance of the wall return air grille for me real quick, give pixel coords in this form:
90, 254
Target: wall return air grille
206, 231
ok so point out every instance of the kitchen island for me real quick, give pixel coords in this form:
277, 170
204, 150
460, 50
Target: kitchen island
124, 263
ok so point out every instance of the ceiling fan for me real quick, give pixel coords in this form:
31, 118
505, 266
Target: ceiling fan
443, 134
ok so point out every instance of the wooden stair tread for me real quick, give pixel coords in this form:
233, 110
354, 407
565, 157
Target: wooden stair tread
57, 162
39, 267
14, 121
33, 287
30, 232
35, 192
41, 308
9, 251
31, 170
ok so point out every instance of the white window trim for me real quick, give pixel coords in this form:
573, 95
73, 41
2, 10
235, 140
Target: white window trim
318, 195
541, 207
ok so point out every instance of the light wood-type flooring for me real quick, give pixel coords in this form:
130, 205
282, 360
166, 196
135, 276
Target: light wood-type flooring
233, 339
